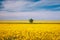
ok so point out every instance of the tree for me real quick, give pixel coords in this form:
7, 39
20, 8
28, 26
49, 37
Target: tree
31, 20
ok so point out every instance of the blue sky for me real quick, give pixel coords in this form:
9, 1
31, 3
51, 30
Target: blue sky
26, 9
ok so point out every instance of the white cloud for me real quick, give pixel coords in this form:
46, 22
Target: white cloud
15, 5
43, 15
45, 3
14, 10
22, 5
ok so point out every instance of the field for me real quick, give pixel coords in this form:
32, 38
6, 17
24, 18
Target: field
23, 30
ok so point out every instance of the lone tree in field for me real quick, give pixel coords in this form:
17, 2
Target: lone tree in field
31, 20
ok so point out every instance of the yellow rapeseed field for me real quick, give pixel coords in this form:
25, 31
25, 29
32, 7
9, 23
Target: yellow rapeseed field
39, 30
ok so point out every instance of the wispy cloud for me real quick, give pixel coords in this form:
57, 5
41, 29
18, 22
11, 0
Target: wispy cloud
37, 15
25, 9
25, 5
